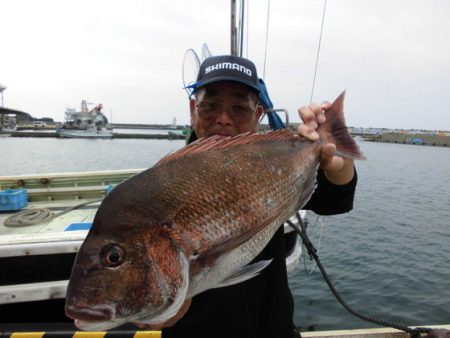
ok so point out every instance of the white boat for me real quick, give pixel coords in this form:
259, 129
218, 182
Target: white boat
90, 132
86, 123
8, 129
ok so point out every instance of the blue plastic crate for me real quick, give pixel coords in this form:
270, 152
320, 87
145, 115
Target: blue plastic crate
13, 199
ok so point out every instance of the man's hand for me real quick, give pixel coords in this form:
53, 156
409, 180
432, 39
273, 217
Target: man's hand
338, 170
169, 322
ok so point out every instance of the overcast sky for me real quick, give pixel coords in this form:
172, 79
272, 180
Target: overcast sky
392, 57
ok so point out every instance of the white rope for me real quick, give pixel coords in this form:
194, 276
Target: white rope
39, 215
318, 50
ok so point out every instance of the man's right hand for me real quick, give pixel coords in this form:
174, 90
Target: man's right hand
338, 170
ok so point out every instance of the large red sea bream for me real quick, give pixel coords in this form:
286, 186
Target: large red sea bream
194, 222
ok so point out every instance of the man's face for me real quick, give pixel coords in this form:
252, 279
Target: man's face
225, 108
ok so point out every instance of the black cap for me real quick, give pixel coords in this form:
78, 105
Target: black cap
227, 68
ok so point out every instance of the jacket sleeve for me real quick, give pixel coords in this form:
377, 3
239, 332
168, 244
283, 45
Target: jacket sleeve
332, 199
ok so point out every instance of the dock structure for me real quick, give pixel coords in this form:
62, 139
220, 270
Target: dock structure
169, 136
10, 117
415, 139
393, 137
49, 134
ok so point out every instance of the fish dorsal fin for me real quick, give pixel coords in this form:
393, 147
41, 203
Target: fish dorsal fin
217, 142
245, 273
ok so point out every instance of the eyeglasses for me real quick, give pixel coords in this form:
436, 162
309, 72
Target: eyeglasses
240, 112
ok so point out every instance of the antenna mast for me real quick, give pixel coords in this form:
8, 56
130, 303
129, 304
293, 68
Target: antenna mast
237, 31
2, 88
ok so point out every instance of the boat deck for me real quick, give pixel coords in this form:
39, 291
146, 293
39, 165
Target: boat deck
366, 333
76, 194
27, 251
54, 238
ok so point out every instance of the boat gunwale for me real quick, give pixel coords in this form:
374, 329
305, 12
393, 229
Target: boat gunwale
384, 332
72, 174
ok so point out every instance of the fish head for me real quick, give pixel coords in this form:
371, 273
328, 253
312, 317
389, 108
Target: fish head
126, 273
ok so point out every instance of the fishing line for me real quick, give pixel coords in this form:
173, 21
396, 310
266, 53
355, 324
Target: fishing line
319, 223
414, 332
318, 50
267, 39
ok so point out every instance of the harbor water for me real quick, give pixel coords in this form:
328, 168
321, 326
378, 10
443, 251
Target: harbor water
389, 257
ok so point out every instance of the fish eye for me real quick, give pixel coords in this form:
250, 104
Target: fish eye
112, 255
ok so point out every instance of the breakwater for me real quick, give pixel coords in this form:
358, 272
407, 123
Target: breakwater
168, 136
416, 139
401, 138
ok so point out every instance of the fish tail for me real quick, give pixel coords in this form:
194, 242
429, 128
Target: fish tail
335, 131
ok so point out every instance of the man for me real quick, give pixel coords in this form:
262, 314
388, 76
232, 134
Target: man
226, 103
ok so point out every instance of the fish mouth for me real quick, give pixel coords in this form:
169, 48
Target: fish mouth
96, 326
90, 313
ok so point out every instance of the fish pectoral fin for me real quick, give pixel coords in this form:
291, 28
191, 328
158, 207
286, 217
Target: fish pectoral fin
234, 241
143, 323
245, 273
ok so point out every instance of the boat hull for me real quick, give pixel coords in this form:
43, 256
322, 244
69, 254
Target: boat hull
69, 133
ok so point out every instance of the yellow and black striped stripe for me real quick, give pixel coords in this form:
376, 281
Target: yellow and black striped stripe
82, 334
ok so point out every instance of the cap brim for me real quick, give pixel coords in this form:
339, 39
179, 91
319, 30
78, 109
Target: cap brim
224, 78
